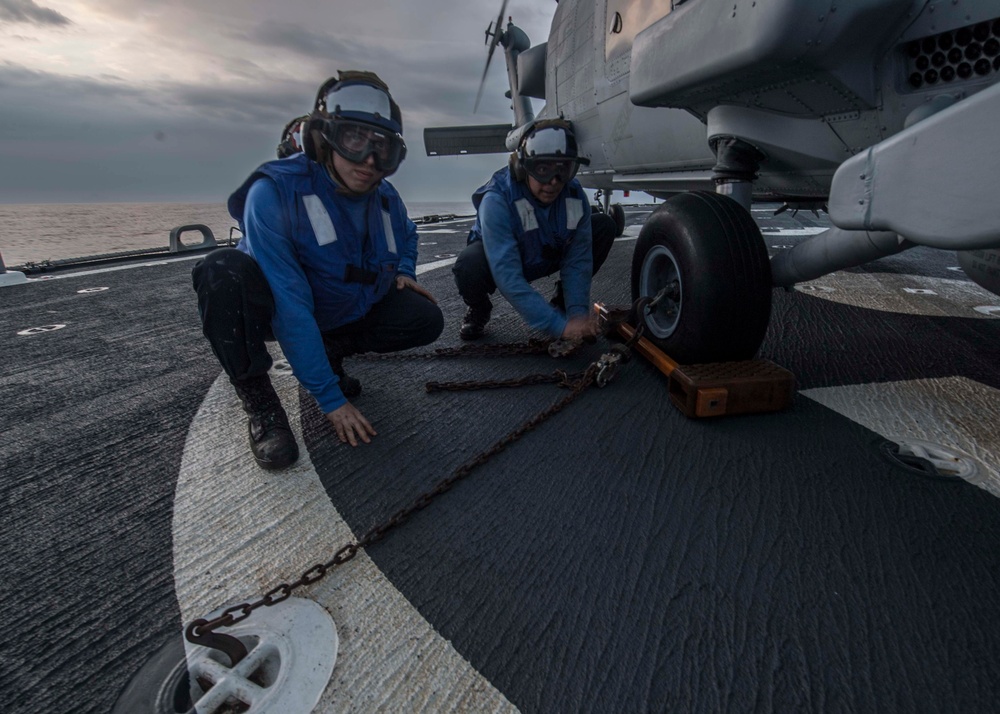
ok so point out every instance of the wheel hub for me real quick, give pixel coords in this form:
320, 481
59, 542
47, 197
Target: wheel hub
660, 279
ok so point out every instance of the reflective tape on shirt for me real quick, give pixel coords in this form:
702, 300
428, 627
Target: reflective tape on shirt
319, 219
527, 213
574, 212
390, 237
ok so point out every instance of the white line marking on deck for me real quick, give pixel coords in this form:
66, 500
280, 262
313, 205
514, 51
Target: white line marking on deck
239, 530
945, 410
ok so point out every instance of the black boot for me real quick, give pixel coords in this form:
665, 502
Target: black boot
271, 439
474, 322
336, 349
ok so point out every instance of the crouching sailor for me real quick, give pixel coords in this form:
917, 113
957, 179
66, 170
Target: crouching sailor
533, 219
326, 267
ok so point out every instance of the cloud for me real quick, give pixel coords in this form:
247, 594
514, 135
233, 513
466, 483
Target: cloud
61, 104
80, 139
267, 105
144, 100
301, 40
31, 90
28, 11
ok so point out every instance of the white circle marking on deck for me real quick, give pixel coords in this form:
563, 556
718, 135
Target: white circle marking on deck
239, 530
889, 292
946, 410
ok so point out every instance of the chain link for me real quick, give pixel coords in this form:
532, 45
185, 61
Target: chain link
557, 377
202, 631
283, 591
533, 346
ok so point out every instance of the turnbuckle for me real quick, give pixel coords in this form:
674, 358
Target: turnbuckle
608, 364
607, 368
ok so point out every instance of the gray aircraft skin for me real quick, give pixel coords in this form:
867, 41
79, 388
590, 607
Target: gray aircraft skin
881, 111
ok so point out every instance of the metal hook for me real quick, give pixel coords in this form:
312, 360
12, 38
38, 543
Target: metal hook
227, 644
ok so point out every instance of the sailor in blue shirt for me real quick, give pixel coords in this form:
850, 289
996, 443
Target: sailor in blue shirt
326, 267
291, 137
534, 219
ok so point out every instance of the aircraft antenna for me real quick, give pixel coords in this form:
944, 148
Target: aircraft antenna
492, 39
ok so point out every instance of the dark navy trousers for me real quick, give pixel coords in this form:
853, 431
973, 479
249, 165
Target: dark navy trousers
236, 308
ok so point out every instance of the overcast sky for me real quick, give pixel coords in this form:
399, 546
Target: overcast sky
157, 100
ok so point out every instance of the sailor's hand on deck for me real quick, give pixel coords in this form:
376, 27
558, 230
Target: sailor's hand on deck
351, 425
405, 281
580, 328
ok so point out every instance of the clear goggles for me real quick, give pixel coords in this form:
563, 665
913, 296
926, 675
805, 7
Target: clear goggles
356, 142
549, 154
545, 169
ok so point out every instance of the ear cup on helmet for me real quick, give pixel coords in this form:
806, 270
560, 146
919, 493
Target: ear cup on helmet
402, 157
291, 137
313, 124
519, 173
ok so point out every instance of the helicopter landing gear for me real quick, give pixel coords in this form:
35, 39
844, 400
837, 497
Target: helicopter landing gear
737, 163
618, 213
602, 200
701, 259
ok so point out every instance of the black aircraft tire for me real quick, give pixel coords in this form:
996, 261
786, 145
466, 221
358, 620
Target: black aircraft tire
618, 213
714, 249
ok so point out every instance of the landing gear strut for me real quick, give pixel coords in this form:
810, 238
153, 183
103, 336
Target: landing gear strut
736, 166
603, 199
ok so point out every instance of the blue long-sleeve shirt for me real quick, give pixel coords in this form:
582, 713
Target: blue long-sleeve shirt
575, 270
295, 324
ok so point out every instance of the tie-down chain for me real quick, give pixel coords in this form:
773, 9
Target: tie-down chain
600, 372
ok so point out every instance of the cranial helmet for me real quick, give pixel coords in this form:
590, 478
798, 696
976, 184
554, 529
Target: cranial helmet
291, 137
547, 151
355, 116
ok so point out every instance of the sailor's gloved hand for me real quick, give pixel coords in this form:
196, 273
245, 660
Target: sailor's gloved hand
351, 425
580, 328
405, 281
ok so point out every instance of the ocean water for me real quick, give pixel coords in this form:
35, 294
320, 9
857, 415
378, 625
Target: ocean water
31, 233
